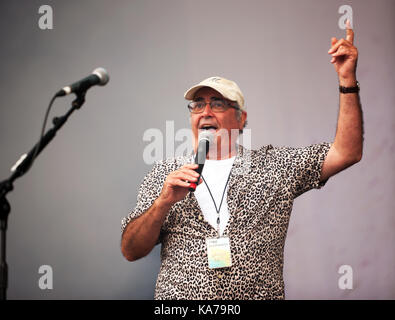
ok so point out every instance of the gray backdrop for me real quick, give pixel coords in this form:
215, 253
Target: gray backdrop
66, 210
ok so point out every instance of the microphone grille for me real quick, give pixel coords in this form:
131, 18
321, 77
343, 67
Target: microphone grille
102, 74
206, 135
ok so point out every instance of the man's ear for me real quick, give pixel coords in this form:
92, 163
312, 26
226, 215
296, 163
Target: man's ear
243, 119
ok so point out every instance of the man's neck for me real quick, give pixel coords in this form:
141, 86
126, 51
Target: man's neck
221, 154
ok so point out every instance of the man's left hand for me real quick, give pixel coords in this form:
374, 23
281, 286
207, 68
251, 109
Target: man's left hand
345, 57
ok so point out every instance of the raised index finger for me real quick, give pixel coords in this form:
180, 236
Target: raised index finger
349, 32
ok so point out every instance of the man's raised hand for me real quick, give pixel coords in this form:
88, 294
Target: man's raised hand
345, 56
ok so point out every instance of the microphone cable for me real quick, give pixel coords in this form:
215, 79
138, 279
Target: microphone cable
37, 147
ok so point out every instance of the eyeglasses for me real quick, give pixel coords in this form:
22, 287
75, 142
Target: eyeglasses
215, 105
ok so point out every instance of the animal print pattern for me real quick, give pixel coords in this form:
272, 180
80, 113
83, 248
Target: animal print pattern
260, 199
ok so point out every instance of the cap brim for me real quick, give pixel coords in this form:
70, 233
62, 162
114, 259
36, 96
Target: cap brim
190, 94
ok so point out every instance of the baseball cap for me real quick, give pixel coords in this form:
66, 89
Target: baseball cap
228, 88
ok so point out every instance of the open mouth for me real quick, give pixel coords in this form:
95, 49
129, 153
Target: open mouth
208, 127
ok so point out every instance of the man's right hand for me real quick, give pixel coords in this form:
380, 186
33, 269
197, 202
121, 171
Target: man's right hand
176, 185
142, 233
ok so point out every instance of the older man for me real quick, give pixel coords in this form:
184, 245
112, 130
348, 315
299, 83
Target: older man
226, 240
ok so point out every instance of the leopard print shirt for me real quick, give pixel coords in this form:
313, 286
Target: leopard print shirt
261, 190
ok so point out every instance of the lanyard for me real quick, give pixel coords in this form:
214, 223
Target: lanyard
222, 199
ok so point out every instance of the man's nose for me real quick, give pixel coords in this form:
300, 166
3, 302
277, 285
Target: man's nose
207, 112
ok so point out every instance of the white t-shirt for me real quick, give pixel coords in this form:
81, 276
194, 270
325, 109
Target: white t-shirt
215, 173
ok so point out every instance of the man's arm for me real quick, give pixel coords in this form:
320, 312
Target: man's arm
346, 149
142, 233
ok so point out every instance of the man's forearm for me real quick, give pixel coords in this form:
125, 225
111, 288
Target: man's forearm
141, 234
347, 147
349, 133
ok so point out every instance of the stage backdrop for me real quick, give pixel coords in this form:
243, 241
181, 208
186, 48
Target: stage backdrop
63, 238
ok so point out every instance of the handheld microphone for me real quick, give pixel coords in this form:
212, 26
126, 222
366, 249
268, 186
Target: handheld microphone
205, 138
99, 77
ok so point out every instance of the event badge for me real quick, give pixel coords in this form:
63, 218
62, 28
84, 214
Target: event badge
218, 252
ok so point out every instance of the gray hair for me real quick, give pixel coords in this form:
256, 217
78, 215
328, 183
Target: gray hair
239, 112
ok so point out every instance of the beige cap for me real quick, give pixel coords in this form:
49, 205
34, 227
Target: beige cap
229, 89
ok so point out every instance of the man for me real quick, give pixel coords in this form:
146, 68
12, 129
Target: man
226, 239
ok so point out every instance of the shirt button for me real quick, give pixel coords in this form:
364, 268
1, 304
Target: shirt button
200, 217
220, 276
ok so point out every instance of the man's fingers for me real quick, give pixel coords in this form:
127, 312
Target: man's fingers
191, 172
180, 183
333, 42
190, 166
186, 177
183, 184
340, 52
183, 176
336, 46
349, 32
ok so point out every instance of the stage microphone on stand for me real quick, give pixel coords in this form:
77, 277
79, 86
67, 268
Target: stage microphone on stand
99, 77
205, 138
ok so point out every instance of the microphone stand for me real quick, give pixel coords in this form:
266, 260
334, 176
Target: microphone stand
7, 185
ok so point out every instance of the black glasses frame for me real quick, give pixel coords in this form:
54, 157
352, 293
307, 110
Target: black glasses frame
226, 103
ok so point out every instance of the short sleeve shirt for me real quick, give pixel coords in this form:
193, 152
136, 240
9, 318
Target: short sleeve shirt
261, 190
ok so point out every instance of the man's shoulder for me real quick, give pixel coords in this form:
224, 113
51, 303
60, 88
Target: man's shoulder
259, 152
279, 149
279, 153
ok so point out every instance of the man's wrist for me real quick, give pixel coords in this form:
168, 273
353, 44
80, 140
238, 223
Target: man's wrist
350, 81
162, 204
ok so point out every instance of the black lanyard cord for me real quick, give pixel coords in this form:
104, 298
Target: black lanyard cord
222, 199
